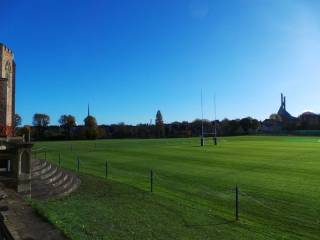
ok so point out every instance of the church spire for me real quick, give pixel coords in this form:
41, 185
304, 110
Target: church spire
88, 110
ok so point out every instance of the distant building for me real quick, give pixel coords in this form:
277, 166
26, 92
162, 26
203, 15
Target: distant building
7, 91
15, 152
307, 123
275, 124
271, 126
282, 112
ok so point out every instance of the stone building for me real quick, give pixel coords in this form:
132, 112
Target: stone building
7, 91
279, 121
35, 178
15, 153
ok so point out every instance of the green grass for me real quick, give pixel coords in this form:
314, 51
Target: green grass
193, 198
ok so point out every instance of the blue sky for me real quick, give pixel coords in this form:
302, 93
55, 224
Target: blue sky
130, 58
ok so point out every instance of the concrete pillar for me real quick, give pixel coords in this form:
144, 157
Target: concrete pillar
24, 172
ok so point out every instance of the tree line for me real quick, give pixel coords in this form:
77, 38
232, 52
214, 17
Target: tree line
68, 129
306, 121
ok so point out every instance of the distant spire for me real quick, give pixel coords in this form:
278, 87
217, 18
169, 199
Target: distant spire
88, 110
281, 100
284, 103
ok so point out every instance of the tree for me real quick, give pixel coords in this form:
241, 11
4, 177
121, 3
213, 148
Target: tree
102, 132
17, 120
225, 127
276, 117
41, 121
249, 125
67, 122
235, 127
23, 131
246, 124
159, 125
91, 127
255, 125
308, 121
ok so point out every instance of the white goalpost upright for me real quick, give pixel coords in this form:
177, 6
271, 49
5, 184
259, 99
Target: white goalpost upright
214, 133
215, 120
202, 135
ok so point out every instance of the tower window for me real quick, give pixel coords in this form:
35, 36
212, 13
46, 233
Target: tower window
8, 73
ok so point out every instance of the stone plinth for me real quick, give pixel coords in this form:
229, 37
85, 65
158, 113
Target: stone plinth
15, 161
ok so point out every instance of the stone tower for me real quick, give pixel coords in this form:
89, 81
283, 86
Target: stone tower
7, 91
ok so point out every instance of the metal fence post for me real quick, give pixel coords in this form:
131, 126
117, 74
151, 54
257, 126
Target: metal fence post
151, 181
106, 169
237, 203
78, 163
45, 155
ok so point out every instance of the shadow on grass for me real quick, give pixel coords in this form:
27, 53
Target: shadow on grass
227, 222
101, 204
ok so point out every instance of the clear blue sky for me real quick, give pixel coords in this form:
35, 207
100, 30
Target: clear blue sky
130, 58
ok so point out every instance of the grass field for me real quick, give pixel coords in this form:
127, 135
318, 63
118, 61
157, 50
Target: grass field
194, 197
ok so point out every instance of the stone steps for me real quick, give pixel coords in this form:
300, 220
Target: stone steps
38, 165
64, 178
49, 181
67, 187
48, 175
76, 182
41, 171
58, 174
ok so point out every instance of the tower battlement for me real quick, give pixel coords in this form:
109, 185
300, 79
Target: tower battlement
6, 49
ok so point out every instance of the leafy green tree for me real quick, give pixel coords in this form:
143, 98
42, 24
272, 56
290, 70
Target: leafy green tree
308, 121
41, 122
67, 122
225, 127
91, 127
246, 124
23, 131
275, 117
159, 124
235, 127
255, 124
102, 132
